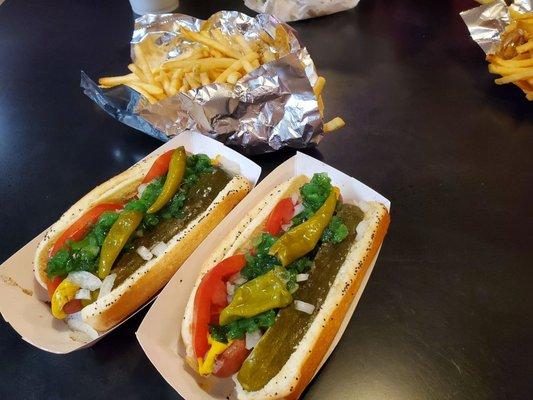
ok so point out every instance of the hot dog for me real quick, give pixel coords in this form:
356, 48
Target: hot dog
269, 301
119, 245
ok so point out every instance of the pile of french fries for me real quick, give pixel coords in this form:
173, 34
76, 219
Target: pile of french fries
514, 60
213, 57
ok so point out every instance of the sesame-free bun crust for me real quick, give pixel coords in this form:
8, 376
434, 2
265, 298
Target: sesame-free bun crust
144, 283
303, 363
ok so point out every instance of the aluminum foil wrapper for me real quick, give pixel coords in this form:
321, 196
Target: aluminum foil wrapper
271, 107
487, 22
295, 10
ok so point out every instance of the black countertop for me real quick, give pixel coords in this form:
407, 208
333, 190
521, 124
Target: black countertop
447, 312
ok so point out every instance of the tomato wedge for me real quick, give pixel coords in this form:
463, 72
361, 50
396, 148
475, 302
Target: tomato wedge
159, 167
280, 215
52, 285
203, 301
73, 306
79, 229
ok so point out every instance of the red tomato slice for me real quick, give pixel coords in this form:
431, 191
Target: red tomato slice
51, 285
73, 306
79, 229
215, 313
219, 294
204, 299
230, 361
159, 167
280, 215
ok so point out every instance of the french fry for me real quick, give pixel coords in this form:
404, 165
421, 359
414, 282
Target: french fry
266, 38
247, 66
235, 67
518, 76
137, 71
210, 62
513, 63
210, 43
111, 81
517, 15
150, 88
214, 73
233, 77
223, 40
334, 124
142, 63
243, 43
204, 78
191, 80
319, 85
216, 53
498, 69
151, 99
282, 39
320, 105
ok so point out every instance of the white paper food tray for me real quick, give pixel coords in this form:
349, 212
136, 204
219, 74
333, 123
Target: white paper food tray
21, 297
160, 332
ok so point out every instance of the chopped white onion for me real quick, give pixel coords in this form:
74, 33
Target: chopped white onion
141, 189
75, 322
302, 277
230, 288
83, 294
145, 254
234, 277
298, 208
252, 339
295, 198
304, 307
240, 280
159, 249
85, 280
107, 285
229, 298
286, 227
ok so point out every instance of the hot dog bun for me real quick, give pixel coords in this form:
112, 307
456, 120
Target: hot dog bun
304, 361
153, 275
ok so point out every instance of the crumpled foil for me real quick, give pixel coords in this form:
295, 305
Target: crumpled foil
271, 107
487, 22
295, 10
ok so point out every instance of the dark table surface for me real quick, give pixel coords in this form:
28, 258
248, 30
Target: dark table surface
447, 313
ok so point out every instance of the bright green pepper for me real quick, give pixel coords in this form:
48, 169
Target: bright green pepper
176, 170
299, 241
261, 294
115, 240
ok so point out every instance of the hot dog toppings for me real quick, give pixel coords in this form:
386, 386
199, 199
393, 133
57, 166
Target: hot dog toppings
272, 270
108, 231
